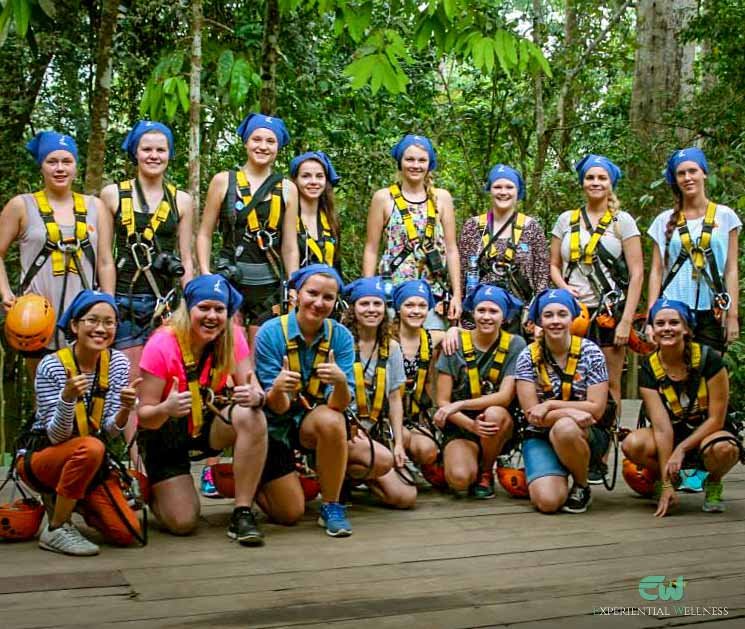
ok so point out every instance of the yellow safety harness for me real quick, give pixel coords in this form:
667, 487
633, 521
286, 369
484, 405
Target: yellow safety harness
416, 391
323, 249
666, 388
196, 420
311, 395
408, 222
364, 410
488, 240
566, 375
588, 253
92, 413
157, 218
697, 253
472, 366
253, 227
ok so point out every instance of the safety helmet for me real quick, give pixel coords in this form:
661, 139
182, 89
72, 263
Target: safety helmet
29, 324
20, 520
606, 320
434, 473
640, 479
581, 323
638, 340
222, 476
513, 480
311, 486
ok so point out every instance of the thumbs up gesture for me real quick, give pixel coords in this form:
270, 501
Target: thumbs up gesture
75, 386
287, 380
329, 372
250, 394
128, 395
177, 404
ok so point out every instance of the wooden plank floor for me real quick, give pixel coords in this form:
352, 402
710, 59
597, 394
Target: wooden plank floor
449, 563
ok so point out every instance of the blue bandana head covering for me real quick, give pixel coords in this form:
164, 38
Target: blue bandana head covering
690, 154
83, 302
320, 157
550, 296
591, 161
43, 143
299, 277
213, 287
364, 287
397, 152
260, 121
508, 303
680, 307
501, 171
413, 288
132, 141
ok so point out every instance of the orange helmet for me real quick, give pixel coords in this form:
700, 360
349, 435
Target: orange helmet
638, 341
21, 519
29, 324
513, 480
640, 479
581, 323
434, 473
311, 487
222, 476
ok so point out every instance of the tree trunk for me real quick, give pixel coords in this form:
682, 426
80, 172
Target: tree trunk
195, 91
566, 115
101, 92
663, 67
543, 136
269, 55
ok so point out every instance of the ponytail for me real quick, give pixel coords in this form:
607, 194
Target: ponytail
674, 218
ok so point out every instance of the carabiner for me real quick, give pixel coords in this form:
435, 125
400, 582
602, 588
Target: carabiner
264, 239
148, 255
723, 301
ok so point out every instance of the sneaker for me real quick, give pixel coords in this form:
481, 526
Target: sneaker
596, 473
67, 540
244, 529
692, 481
334, 518
483, 488
713, 497
207, 484
578, 500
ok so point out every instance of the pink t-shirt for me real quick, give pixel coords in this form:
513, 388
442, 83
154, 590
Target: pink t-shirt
161, 357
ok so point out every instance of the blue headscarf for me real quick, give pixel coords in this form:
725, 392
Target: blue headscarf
318, 156
413, 288
397, 152
508, 303
214, 287
364, 287
690, 154
260, 121
550, 296
43, 143
299, 277
680, 307
501, 171
132, 141
591, 161
83, 301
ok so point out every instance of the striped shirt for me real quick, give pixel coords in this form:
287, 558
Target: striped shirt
56, 416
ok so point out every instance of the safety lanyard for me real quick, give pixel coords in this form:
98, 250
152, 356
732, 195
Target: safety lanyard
92, 412
665, 386
364, 410
411, 231
488, 240
157, 218
61, 263
193, 370
588, 253
275, 207
498, 355
322, 249
566, 375
310, 395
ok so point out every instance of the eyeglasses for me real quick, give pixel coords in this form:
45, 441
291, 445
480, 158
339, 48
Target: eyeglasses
94, 322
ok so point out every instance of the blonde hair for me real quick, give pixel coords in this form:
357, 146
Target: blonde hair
223, 360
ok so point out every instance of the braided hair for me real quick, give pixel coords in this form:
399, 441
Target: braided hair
673, 221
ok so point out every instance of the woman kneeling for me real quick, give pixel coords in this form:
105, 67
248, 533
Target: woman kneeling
685, 390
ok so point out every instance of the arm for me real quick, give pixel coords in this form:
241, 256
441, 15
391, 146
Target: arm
540, 272
396, 415
594, 405
120, 397
661, 428
153, 413
290, 253
731, 285
555, 263
11, 225
55, 404
718, 386
444, 396
375, 225
632, 251
215, 195
503, 397
185, 228
447, 218
105, 247
654, 287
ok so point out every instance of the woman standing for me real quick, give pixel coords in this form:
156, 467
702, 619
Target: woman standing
55, 214
695, 260
318, 222
596, 255
419, 221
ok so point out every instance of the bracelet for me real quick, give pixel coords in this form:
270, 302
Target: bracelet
666, 484
261, 403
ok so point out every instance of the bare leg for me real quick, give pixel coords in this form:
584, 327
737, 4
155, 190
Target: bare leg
640, 448
461, 458
282, 499
570, 445
324, 430
176, 505
492, 446
549, 493
721, 457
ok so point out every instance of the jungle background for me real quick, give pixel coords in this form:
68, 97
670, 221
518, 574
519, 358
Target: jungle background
535, 84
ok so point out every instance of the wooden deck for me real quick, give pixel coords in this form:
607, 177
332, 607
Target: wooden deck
449, 563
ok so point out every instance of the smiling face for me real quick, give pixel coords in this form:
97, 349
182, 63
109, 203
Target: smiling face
597, 184
316, 300
415, 164
503, 194
413, 311
59, 170
556, 321
208, 319
310, 180
262, 147
152, 154
488, 317
369, 312
95, 329
690, 179
669, 328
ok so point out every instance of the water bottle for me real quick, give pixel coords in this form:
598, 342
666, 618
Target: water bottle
385, 274
472, 274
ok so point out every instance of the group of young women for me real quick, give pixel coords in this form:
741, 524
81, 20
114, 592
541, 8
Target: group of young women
446, 354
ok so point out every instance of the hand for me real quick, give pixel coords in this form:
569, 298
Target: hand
667, 499
649, 333
537, 414
456, 308
330, 372
574, 291
287, 381
675, 462
441, 415
399, 455
733, 326
8, 299
623, 329
75, 387
292, 296
128, 395
249, 395
482, 428
583, 418
177, 404
449, 343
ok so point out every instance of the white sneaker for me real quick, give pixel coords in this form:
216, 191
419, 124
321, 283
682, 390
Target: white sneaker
67, 540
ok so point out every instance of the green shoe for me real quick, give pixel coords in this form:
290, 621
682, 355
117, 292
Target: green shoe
483, 489
713, 502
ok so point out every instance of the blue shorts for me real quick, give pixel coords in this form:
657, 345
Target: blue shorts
136, 316
540, 458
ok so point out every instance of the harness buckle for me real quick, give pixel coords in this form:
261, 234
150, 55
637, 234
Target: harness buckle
69, 245
487, 387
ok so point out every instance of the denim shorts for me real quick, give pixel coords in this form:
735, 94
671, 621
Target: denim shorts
135, 325
541, 459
